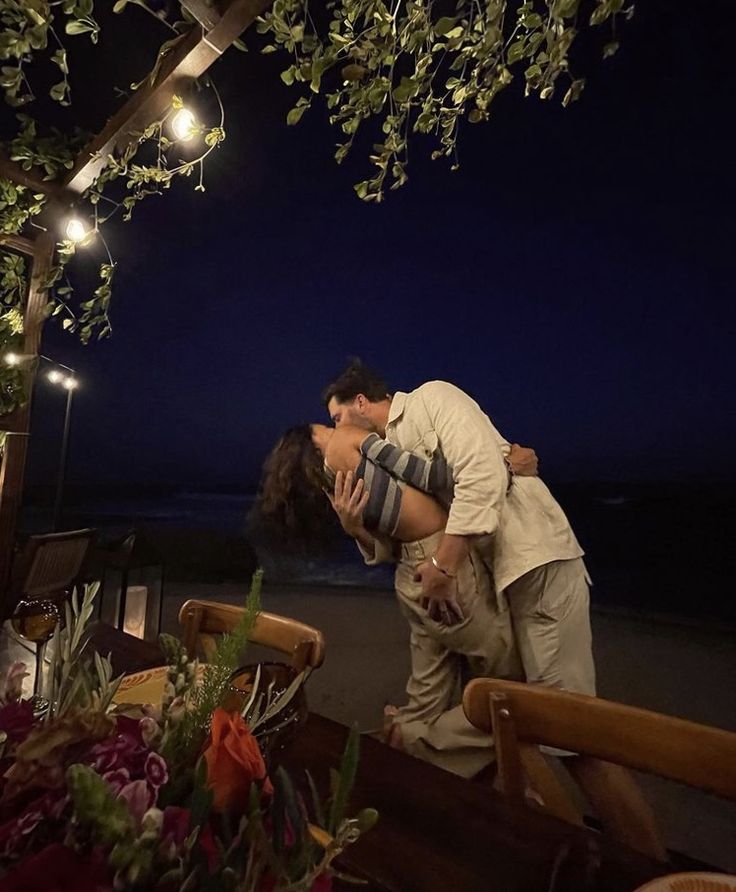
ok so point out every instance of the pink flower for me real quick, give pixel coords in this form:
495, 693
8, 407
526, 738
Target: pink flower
150, 730
139, 797
157, 774
16, 719
117, 779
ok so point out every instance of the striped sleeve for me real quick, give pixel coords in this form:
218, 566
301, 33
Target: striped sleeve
381, 513
434, 477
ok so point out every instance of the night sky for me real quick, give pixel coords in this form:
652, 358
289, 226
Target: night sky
576, 276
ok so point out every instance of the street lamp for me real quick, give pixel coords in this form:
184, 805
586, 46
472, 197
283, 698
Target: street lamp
68, 380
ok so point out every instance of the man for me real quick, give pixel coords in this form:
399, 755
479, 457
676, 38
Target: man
520, 531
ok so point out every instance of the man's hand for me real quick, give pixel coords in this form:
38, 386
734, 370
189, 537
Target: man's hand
349, 501
523, 461
439, 595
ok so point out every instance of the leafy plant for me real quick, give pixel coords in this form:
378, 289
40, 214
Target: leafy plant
423, 67
190, 733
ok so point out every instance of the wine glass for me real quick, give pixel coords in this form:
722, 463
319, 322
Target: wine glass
35, 621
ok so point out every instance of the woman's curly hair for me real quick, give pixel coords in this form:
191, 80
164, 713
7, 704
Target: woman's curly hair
292, 506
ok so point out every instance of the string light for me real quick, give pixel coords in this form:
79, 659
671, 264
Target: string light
54, 376
12, 359
76, 231
69, 383
184, 124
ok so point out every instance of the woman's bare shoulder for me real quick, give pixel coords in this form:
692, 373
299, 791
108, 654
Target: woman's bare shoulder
343, 450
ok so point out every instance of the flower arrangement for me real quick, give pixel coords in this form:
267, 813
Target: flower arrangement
96, 796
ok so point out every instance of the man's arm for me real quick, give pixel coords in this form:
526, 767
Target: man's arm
472, 448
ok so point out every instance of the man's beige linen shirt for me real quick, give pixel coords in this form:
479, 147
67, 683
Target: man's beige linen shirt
527, 527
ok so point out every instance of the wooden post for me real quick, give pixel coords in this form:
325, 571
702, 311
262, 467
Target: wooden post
17, 424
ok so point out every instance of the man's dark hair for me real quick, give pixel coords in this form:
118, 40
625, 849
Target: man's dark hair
357, 378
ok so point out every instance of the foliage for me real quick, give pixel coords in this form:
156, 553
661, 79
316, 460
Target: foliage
393, 72
423, 66
93, 790
29, 32
189, 733
27, 28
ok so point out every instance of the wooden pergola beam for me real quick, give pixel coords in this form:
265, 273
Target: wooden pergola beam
11, 170
18, 243
189, 59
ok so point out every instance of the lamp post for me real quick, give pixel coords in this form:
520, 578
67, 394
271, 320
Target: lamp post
69, 382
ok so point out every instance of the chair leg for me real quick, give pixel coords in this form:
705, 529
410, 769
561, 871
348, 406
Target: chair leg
543, 780
619, 803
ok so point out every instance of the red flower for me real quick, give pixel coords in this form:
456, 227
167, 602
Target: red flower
323, 883
176, 824
234, 761
209, 847
58, 869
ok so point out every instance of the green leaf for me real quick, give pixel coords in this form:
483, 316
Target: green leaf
444, 25
348, 769
516, 51
120, 5
295, 115
610, 49
75, 26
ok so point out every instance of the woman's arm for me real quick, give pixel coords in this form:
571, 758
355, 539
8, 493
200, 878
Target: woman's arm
433, 476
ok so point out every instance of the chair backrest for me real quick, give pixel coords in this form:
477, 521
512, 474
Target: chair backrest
696, 755
202, 621
49, 564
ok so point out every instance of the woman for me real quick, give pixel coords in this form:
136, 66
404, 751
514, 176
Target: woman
313, 459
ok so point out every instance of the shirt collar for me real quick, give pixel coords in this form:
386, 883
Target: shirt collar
397, 407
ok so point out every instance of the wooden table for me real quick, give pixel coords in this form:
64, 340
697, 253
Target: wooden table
438, 832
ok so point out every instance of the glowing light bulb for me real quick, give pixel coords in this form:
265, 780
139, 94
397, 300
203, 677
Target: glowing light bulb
54, 376
184, 124
12, 358
70, 383
76, 231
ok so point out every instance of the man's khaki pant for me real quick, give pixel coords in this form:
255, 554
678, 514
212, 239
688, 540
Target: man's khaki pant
444, 658
550, 611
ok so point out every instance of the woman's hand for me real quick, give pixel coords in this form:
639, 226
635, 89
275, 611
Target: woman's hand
349, 500
523, 461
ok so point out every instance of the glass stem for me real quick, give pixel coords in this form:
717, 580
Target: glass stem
38, 679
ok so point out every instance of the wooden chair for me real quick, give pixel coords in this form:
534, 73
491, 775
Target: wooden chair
609, 738
201, 621
48, 567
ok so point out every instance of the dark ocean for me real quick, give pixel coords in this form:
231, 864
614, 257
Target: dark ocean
651, 548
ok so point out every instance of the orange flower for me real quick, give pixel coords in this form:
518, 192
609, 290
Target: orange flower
234, 761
